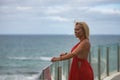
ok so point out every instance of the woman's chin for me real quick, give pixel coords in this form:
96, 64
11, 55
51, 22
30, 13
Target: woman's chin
76, 36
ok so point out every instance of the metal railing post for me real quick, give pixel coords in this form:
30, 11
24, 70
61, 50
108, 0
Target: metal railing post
99, 66
107, 60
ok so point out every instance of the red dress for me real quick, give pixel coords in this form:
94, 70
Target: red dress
80, 69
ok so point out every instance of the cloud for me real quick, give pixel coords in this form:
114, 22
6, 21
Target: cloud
105, 11
46, 3
56, 18
23, 8
16, 10
44, 13
89, 3
113, 9
56, 9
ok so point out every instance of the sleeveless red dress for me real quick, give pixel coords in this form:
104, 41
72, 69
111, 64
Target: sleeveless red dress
80, 69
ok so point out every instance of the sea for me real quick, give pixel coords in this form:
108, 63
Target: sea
23, 57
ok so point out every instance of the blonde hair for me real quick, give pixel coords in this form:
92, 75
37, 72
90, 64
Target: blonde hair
85, 27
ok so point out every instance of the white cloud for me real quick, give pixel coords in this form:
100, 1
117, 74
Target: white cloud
14, 9
56, 9
105, 10
6, 10
57, 18
55, 12
23, 8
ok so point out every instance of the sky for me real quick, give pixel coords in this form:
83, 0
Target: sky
59, 16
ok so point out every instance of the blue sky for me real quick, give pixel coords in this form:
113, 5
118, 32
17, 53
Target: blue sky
58, 16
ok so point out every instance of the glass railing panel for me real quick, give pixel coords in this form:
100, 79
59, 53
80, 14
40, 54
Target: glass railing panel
65, 69
41, 76
98, 57
103, 62
94, 61
45, 75
54, 70
113, 58
118, 57
118, 51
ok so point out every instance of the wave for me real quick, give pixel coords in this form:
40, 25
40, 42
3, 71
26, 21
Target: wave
19, 72
18, 77
30, 58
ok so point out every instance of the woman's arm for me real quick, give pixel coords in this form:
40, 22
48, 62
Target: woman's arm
64, 57
78, 50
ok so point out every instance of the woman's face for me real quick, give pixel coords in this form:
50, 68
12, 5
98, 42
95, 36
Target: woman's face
79, 31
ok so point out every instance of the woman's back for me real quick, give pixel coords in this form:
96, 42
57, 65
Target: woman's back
86, 50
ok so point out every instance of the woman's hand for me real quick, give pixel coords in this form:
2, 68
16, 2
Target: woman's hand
54, 59
62, 54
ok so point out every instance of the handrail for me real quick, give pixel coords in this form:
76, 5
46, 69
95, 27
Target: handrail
101, 58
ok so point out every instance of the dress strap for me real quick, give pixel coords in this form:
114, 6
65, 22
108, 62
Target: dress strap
75, 46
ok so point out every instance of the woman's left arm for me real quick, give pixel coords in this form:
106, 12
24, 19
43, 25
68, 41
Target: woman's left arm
67, 56
78, 50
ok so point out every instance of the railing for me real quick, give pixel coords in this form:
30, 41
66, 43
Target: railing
104, 59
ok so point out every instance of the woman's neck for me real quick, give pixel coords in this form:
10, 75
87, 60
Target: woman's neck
82, 38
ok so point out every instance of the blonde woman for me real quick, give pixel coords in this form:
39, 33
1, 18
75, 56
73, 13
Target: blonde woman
80, 68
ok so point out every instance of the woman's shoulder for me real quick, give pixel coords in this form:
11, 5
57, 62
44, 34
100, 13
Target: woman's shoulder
86, 41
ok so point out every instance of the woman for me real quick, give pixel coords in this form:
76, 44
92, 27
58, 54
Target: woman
80, 68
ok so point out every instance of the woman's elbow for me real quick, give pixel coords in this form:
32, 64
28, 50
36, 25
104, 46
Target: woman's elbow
73, 54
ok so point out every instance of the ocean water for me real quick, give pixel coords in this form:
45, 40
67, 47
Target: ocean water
23, 57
